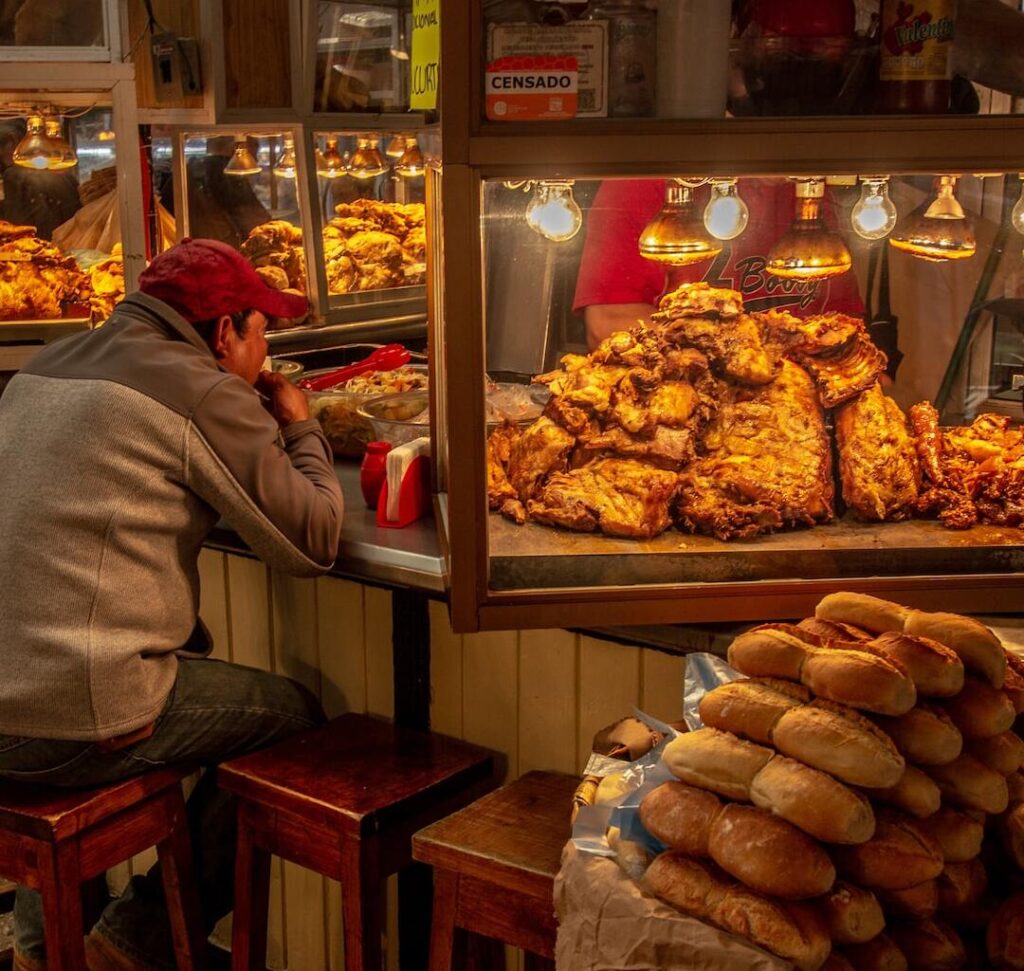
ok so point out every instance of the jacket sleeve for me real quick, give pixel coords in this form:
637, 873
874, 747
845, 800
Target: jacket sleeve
284, 501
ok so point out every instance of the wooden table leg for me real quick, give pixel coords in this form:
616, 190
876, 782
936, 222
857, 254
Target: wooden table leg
362, 904
61, 889
442, 929
180, 892
252, 899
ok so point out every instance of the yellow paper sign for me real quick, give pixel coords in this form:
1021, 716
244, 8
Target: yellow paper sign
426, 52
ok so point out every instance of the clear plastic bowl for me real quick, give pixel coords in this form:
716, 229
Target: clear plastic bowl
397, 418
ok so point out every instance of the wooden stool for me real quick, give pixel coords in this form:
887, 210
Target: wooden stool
494, 868
343, 801
52, 840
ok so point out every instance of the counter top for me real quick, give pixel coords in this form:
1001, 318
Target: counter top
409, 557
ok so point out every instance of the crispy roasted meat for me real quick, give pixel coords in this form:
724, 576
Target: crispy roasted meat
924, 421
499, 452
820, 334
701, 300
665, 448
618, 496
733, 345
847, 372
37, 281
539, 450
878, 464
767, 462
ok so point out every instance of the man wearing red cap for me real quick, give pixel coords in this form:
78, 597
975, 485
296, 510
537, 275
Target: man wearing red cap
123, 447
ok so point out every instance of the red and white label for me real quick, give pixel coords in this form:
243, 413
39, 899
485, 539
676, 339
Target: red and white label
531, 88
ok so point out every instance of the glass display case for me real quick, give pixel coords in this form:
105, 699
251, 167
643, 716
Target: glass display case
771, 348
60, 30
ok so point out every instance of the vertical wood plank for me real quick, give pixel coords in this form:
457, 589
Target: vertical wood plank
490, 710
335, 932
547, 713
380, 685
304, 917
249, 612
609, 688
276, 937
340, 632
663, 677
213, 601
445, 673
294, 630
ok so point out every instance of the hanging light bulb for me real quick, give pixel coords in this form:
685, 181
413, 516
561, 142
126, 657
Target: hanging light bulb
285, 166
242, 161
676, 235
938, 229
107, 135
366, 161
553, 212
410, 165
36, 150
874, 215
726, 214
55, 133
396, 147
1017, 216
809, 250
330, 164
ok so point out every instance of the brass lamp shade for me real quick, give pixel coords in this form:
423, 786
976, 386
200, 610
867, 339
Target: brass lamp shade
938, 229
330, 164
285, 166
366, 161
242, 161
809, 250
55, 133
36, 150
410, 165
677, 236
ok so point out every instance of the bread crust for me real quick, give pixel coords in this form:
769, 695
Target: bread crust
961, 885
861, 610
718, 761
915, 903
1003, 753
929, 945
900, 855
916, 794
1005, 936
980, 711
830, 630
861, 680
680, 816
970, 784
750, 708
979, 649
925, 735
936, 670
1011, 833
959, 836
769, 652
853, 914
878, 954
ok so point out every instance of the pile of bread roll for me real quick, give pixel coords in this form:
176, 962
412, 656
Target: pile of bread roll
857, 799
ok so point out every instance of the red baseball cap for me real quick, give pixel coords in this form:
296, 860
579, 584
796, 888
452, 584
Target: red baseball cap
204, 279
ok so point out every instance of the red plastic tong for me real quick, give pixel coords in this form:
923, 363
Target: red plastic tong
385, 358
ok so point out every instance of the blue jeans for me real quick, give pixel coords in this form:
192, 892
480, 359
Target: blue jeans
215, 712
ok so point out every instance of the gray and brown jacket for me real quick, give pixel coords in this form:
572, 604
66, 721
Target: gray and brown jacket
119, 450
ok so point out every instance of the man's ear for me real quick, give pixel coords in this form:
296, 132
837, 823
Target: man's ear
221, 340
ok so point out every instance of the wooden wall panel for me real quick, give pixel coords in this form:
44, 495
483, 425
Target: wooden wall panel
662, 692
213, 602
609, 688
249, 612
341, 634
490, 673
380, 674
445, 673
257, 59
179, 16
547, 725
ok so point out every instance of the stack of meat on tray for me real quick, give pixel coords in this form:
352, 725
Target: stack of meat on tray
857, 800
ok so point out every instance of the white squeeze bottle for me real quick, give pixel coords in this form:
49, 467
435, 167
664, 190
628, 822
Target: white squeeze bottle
693, 58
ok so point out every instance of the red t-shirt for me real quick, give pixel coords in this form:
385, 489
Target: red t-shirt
612, 271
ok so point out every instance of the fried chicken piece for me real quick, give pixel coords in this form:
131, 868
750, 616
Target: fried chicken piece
378, 248
9, 230
583, 383
767, 462
672, 403
273, 276
618, 496
848, 372
877, 461
701, 300
542, 448
732, 344
924, 421
500, 494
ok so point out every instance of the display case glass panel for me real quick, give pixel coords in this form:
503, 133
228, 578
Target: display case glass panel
33, 30
753, 379
60, 251
362, 56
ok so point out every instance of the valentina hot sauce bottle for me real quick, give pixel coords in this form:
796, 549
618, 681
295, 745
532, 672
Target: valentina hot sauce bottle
916, 51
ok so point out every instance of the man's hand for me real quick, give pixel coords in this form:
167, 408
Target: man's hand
285, 402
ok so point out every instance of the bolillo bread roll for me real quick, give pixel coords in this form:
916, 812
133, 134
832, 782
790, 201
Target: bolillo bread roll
980, 711
814, 801
970, 784
829, 630
853, 914
1011, 833
915, 903
958, 835
680, 816
900, 855
929, 946
1015, 786
925, 735
1014, 683
836, 962
961, 885
1003, 753
839, 741
1005, 936
936, 670
751, 708
878, 954
862, 610
710, 759
916, 793
794, 932
771, 651
979, 649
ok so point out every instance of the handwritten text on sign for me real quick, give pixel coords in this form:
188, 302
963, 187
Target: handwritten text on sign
426, 52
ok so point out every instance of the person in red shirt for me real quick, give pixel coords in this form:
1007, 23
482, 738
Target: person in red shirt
616, 286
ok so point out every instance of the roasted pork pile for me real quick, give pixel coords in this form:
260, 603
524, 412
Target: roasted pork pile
37, 281
714, 419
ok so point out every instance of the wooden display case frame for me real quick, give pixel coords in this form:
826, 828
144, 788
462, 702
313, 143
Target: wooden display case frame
475, 150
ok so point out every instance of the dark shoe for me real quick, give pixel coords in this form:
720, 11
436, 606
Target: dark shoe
101, 955
22, 962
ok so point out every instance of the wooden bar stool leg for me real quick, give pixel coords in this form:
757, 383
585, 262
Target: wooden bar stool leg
60, 886
252, 900
442, 925
362, 892
175, 854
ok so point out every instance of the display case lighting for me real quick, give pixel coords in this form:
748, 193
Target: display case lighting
54, 127
410, 165
553, 211
366, 161
330, 163
36, 150
809, 250
242, 161
286, 165
726, 215
874, 215
396, 147
1017, 216
938, 229
677, 235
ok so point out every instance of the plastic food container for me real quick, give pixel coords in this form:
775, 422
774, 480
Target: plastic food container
292, 370
397, 418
